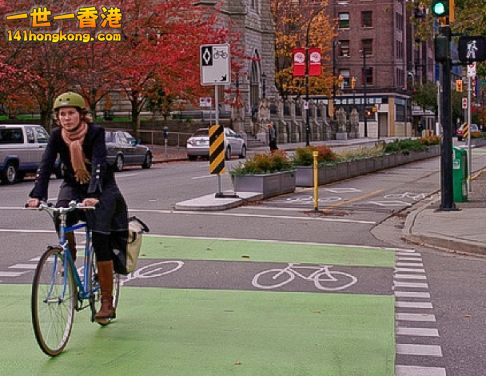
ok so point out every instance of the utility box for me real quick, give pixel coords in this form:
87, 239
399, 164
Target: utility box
459, 174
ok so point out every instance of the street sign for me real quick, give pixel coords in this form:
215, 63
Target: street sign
205, 102
215, 64
472, 49
471, 70
464, 103
216, 149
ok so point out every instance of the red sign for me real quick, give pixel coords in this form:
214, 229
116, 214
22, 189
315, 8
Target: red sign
315, 61
298, 62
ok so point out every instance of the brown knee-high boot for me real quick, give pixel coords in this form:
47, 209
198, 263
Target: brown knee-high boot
105, 276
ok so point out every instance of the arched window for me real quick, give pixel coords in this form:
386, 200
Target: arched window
254, 85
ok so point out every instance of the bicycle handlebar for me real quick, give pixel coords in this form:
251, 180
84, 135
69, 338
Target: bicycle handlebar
73, 205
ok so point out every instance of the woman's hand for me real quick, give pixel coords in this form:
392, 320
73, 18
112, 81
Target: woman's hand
32, 203
90, 201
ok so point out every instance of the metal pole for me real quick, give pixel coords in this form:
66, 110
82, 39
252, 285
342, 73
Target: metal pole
216, 119
307, 120
469, 151
447, 198
334, 77
364, 95
439, 105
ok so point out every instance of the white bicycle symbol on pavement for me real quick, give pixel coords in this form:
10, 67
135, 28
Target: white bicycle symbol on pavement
154, 270
413, 196
323, 278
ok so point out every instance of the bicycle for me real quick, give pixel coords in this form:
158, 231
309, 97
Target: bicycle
59, 289
321, 275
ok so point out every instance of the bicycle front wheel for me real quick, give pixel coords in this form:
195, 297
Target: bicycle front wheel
53, 302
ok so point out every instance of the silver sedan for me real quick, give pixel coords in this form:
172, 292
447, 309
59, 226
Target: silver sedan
198, 144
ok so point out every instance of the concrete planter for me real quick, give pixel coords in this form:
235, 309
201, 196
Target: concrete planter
269, 185
304, 175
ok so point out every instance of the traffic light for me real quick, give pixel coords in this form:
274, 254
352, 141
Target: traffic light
353, 82
442, 46
440, 8
459, 86
444, 8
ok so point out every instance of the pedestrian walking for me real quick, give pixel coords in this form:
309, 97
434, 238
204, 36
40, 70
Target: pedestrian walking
272, 138
88, 179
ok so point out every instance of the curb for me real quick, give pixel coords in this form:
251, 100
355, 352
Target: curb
438, 241
211, 203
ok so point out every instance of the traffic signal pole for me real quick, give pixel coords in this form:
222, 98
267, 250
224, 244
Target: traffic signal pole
447, 199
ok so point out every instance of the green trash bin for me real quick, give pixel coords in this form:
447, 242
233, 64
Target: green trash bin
459, 174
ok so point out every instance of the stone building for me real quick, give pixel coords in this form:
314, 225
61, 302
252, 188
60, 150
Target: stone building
252, 20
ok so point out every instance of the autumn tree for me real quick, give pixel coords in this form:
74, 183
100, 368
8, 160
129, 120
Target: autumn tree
301, 24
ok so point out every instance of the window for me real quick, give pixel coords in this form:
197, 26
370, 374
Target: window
343, 21
368, 75
399, 49
344, 73
367, 18
400, 78
29, 132
41, 135
367, 46
11, 136
344, 48
399, 21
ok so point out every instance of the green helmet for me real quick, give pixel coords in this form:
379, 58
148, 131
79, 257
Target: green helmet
69, 99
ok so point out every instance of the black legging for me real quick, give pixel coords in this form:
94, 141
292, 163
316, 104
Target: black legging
102, 246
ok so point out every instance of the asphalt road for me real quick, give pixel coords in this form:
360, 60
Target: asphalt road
366, 211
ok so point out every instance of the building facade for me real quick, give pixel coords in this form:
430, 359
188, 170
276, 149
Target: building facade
370, 56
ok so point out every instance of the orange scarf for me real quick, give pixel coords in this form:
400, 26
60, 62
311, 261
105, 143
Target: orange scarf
74, 140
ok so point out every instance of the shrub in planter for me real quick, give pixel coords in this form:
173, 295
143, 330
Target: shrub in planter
430, 140
304, 156
404, 146
264, 164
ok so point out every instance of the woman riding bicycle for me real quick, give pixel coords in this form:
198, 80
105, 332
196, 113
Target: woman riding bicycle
87, 179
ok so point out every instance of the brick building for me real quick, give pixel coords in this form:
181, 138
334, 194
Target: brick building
371, 47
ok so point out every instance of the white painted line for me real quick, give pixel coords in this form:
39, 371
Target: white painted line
408, 253
28, 231
419, 332
409, 276
203, 177
412, 294
410, 264
415, 317
247, 215
23, 266
421, 305
416, 259
407, 270
35, 259
422, 350
419, 371
411, 284
11, 274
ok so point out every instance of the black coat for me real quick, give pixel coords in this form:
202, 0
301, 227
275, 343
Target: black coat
94, 149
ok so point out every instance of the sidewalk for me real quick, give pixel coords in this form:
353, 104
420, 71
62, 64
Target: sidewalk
462, 231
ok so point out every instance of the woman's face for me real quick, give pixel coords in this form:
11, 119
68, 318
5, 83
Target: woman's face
69, 118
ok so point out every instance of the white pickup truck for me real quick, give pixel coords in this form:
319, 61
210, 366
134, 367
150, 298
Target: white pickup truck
21, 149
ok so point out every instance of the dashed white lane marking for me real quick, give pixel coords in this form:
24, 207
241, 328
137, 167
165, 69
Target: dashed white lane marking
419, 371
426, 317
422, 350
410, 276
23, 266
411, 284
419, 332
408, 253
409, 270
419, 259
412, 294
11, 274
421, 305
410, 264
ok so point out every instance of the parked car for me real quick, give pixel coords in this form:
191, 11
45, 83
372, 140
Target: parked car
198, 144
475, 132
21, 149
124, 150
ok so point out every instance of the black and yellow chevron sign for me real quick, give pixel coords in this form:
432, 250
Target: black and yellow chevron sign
216, 149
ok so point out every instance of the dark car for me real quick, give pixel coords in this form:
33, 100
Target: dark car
124, 150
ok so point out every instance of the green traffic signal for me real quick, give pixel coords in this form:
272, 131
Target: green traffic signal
440, 8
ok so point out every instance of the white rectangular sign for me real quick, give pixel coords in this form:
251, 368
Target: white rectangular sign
215, 64
206, 102
464, 103
471, 70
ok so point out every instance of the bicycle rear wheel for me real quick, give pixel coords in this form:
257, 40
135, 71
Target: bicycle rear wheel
53, 302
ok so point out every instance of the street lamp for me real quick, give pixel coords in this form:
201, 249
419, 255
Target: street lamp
334, 45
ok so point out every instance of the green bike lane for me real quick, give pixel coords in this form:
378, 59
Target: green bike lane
166, 328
